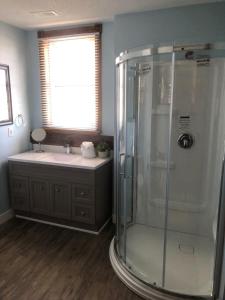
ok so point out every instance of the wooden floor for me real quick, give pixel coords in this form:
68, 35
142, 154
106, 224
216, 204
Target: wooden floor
42, 262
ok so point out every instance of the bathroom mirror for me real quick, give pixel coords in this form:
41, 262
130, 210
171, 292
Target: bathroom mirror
5, 96
38, 135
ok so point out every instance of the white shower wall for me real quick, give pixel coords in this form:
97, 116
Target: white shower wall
195, 173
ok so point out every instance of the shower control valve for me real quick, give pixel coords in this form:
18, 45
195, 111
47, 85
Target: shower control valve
185, 140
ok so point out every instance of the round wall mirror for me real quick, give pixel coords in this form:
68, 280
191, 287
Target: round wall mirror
38, 135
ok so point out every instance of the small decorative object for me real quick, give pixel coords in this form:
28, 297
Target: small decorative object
38, 135
88, 150
103, 149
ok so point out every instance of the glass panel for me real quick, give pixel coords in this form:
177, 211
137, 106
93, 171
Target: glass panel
126, 152
121, 127
170, 151
150, 80
198, 133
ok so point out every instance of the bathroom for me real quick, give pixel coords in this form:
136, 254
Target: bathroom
166, 228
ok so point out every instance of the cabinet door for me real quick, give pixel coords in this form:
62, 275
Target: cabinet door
61, 200
20, 193
39, 196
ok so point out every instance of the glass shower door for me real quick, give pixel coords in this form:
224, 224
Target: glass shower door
197, 150
126, 126
120, 159
171, 139
144, 130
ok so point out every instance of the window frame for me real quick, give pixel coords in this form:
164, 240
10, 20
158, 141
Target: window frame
70, 32
9, 120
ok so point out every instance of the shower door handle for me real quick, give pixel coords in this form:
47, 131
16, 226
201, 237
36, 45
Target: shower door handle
120, 156
125, 172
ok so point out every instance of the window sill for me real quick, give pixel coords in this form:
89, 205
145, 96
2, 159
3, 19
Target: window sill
71, 131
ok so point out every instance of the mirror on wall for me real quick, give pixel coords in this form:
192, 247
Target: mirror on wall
6, 116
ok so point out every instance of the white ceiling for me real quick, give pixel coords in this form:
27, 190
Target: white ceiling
21, 12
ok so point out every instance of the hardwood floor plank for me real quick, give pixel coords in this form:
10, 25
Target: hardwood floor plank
43, 262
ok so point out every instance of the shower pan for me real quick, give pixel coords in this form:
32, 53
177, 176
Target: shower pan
169, 166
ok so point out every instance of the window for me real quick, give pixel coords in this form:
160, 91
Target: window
70, 73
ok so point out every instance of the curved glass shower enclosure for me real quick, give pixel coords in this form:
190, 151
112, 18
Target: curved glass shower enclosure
170, 150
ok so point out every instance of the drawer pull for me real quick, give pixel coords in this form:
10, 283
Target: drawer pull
82, 213
82, 193
57, 190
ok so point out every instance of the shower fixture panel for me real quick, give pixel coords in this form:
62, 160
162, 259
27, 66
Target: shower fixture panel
184, 122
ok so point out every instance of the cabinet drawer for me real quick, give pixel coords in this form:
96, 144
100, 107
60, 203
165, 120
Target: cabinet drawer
83, 213
82, 192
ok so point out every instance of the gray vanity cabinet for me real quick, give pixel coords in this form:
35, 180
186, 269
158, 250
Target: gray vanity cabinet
68, 196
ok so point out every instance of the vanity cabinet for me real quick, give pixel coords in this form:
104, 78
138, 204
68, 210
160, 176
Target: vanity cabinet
70, 196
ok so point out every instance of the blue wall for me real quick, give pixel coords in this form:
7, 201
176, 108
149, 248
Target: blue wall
189, 23
13, 53
198, 23
107, 79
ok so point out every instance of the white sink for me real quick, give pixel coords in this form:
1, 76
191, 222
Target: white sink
60, 157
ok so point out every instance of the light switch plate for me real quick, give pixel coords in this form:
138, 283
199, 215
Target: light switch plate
11, 131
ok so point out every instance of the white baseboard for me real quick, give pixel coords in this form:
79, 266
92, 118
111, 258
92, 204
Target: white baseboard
9, 214
64, 226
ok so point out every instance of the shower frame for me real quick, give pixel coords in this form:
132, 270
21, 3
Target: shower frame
147, 290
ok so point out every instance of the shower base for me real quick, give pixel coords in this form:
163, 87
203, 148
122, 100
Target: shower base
188, 268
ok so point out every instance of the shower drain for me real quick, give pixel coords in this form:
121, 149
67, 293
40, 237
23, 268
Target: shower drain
187, 249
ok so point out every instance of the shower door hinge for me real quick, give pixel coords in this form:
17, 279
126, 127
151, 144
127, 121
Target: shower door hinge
144, 68
141, 69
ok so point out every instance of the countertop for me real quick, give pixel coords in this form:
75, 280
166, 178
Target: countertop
60, 159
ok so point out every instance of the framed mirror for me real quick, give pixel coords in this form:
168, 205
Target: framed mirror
6, 116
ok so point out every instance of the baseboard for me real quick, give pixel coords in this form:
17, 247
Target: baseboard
64, 226
9, 214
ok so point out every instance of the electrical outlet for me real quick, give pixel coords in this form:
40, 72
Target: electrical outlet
10, 131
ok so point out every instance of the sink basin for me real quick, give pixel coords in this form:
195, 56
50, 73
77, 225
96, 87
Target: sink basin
60, 157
